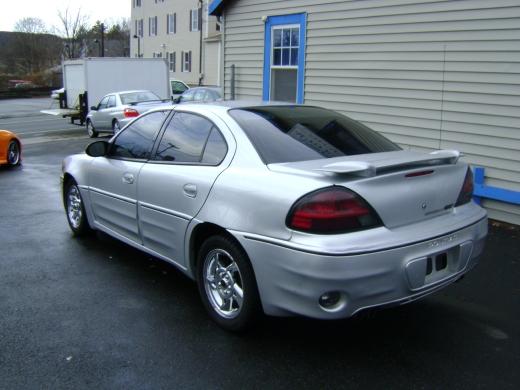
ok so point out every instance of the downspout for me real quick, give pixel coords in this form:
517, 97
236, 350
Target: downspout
201, 7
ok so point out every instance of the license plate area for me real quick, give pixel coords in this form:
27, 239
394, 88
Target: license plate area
438, 266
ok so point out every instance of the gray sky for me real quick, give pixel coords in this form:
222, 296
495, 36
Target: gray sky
47, 10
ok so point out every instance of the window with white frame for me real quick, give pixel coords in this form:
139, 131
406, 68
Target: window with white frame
284, 62
152, 25
186, 61
139, 27
171, 23
286, 43
137, 3
171, 61
194, 19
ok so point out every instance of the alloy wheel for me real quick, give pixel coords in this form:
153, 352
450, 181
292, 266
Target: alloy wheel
223, 283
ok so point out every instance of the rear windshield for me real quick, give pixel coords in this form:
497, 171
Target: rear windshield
300, 133
138, 97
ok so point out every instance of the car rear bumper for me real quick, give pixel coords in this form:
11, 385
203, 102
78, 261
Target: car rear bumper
291, 281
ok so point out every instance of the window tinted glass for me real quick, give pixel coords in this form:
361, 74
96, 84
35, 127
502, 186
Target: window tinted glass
184, 138
216, 148
199, 95
297, 133
136, 140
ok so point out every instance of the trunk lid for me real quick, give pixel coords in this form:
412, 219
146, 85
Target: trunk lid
403, 187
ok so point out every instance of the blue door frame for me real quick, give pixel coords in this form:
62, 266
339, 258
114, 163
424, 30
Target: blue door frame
301, 20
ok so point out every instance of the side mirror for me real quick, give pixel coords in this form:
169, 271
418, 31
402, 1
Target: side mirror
177, 100
97, 149
93, 108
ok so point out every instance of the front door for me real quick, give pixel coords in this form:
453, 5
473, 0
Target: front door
113, 179
174, 185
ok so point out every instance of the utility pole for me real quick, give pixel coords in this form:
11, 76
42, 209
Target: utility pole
102, 39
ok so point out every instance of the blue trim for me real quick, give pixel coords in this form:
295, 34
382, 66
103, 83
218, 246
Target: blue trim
483, 191
300, 19
214, 6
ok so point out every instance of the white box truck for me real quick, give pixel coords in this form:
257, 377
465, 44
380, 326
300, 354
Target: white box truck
87, 80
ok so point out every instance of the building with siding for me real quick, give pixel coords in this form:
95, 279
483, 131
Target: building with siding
182, 32
426, 74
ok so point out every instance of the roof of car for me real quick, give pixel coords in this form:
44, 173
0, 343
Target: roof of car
131, 91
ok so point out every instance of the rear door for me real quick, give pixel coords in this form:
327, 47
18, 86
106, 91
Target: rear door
113, 179
175, 183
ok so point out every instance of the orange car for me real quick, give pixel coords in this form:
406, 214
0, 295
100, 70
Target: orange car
10, 148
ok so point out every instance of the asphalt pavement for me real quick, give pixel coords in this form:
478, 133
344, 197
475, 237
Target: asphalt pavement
95, 313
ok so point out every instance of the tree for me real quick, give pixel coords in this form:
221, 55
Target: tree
74, 29
32, 49
30, 25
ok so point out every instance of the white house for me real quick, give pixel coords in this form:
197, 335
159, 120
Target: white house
182, 32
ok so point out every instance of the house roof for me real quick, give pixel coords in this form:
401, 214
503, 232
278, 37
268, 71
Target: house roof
215, 8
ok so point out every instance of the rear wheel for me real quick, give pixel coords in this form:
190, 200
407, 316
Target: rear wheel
116, 127
76, 216
227, 284
92, 133
13, 153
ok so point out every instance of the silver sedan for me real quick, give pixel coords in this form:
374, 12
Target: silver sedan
280, 209
117, 109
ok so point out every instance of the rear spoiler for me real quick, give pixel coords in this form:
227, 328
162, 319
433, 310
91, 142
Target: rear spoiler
369, 169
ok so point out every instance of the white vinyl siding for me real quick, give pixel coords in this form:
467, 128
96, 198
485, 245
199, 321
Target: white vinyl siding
426, 74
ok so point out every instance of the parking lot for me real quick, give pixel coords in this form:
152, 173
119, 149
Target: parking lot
93, 312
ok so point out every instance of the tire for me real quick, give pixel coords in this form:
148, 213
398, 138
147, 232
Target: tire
91, 131
75, 210
232, 301
116, 127
13, 153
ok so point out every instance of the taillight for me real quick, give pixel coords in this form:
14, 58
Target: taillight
130, 113
332, 210
467, 189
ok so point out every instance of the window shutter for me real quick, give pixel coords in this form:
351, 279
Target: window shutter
199, 17
167, 23
149, 26
182, 61
189, 61
191, 20
174, 62
175, 23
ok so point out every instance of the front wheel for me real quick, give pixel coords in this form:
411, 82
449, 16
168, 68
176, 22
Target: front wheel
76, 216
227, 284
91, 131
13, 153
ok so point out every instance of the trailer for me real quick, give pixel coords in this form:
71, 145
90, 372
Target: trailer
87, 80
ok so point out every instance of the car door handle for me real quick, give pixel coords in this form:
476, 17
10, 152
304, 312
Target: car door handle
128, 178
190, 190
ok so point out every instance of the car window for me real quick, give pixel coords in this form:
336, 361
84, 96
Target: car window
199, 95
111, 101
187, 96
136, 140
178, 87
138, 96
103, 103
184, 138
216, 148
298, 133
